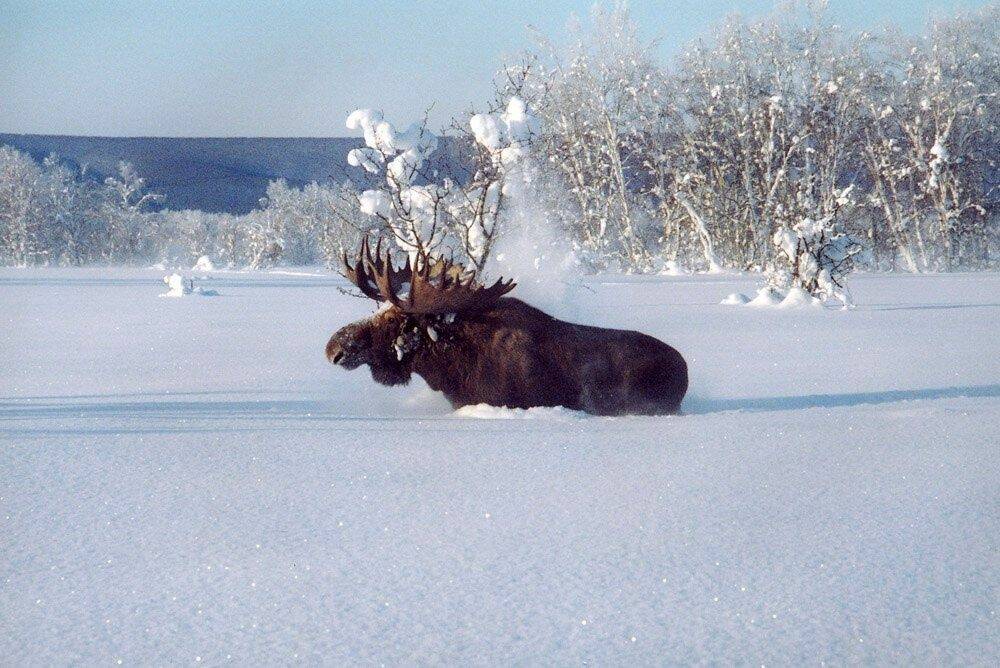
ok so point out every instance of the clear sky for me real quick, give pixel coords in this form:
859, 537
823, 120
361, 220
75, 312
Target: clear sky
297, 68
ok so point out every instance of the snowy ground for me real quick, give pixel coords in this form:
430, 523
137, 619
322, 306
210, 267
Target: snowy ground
188, 480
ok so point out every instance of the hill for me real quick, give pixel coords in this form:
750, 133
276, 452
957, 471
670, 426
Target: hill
211, 174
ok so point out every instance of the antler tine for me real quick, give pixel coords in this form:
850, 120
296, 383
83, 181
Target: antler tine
359, 274
373, 264
436, 285
388, 279
446, 293
495, 291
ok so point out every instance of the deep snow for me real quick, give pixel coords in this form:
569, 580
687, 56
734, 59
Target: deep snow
189, 481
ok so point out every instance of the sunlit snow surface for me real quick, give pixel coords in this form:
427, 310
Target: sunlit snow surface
189, 481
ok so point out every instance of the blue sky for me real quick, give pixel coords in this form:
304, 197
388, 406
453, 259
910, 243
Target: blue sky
297, 68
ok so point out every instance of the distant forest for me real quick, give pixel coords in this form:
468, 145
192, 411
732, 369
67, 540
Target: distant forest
784, 145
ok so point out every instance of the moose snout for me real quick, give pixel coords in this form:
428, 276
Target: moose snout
334, 351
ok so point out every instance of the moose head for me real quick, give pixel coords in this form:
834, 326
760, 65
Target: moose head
421, 300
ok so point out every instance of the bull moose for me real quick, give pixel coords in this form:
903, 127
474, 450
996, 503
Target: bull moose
475, 345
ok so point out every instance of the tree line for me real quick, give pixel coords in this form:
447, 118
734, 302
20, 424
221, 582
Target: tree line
749, 149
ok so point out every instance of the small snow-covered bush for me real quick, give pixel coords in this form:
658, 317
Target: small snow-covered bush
425, 213
410, 211
815, 256
178, 286
204, 263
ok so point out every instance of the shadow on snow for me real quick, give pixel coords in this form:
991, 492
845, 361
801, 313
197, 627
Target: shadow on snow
110, 414
701, 406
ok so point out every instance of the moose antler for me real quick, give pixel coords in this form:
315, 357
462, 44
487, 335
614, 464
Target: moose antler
421, 286
358, 273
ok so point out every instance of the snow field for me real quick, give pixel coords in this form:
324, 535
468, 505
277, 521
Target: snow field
189, 481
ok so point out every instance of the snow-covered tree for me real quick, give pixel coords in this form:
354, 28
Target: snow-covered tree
20, 208
930, 143
411, 211
263, 237
229, 240
196, 234
763, 129
72, 213
814, 256
128, 229
425, 213
599, 99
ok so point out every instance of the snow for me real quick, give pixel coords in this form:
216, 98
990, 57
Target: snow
375, 203
797, 297
672, 268
408, 149
487, 412
365, 157
507, 135
204, 263
487, 131
175, 286
766, 296
939, 151
735, 299
941, 158
770, 297
188, 480
360, 119
178, 286
534, 254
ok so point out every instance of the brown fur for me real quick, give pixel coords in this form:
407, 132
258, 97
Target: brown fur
511, 354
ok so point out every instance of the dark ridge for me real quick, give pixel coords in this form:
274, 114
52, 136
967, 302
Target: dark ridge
212, 174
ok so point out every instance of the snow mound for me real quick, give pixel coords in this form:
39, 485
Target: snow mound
797, 298
487, 412
178, 287
766, 296
735, 299
204, 263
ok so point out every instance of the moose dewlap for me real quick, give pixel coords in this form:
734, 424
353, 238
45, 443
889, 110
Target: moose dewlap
476, 346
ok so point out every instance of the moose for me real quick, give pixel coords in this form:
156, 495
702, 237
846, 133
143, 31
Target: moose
475, 345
